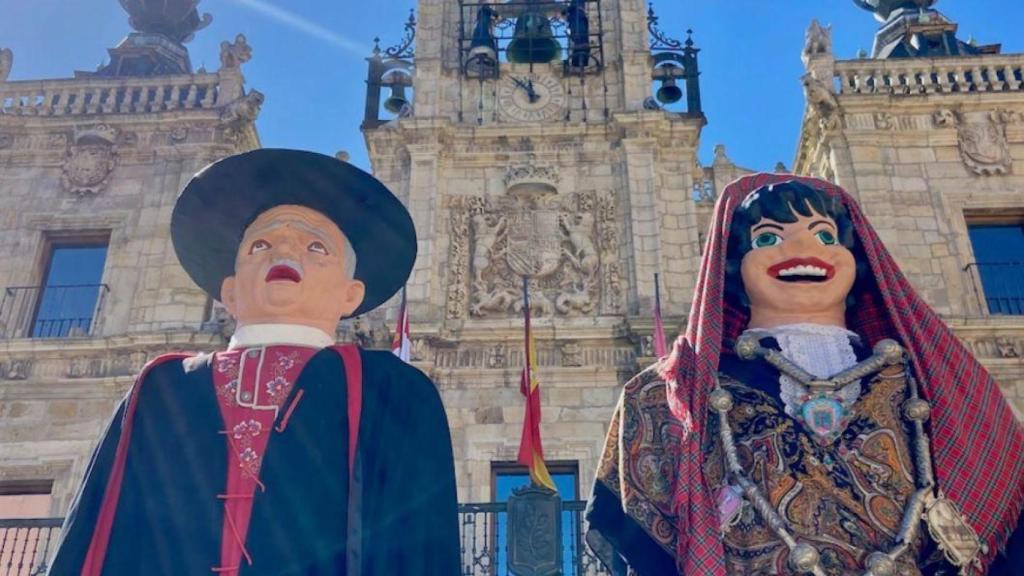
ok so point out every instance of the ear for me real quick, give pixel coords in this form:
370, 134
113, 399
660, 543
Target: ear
227, 294
351, 297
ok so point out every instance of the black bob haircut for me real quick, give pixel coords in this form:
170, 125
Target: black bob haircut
785, 202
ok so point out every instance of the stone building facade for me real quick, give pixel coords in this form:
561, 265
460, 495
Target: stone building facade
97, 160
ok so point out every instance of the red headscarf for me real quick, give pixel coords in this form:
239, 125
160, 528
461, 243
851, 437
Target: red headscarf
977, 443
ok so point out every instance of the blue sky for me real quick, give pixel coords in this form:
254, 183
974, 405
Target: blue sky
308, 58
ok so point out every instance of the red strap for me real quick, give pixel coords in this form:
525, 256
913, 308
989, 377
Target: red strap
354, 378
93, 564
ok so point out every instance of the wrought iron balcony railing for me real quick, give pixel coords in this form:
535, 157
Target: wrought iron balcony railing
1001, 289
484, 539
50, 311
26, 545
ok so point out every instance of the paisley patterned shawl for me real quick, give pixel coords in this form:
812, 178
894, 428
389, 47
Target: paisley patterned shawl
977, 443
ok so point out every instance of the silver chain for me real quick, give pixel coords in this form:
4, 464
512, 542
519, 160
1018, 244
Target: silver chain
803, 556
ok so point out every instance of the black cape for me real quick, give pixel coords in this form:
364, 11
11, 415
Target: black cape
168, 520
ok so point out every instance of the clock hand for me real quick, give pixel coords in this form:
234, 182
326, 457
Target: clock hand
530, 92
521, 84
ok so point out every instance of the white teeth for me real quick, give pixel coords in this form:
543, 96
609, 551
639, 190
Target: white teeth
804, 271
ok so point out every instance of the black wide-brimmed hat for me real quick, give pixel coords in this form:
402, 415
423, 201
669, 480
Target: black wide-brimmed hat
224, 198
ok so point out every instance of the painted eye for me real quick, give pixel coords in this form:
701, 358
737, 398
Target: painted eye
318, 247
259, 246
826, 238
767, 240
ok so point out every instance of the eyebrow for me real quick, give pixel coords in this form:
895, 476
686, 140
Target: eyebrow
816, 222
298, 224
767, 225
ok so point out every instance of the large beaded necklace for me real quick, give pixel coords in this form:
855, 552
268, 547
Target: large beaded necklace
955, 537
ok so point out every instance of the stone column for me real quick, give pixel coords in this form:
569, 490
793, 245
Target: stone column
424, 178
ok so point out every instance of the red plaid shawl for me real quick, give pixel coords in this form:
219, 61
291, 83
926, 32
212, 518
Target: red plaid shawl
977, 443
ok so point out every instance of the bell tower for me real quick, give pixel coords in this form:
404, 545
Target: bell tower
551, 140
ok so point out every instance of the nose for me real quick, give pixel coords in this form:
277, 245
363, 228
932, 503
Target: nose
802, 242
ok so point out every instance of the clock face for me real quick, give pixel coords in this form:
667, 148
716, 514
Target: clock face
531, 97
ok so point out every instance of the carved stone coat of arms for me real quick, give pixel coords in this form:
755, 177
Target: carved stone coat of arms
566, 246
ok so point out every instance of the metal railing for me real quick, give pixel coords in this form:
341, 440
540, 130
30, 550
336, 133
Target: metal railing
484, 540
999, 286
50, 311
26, 545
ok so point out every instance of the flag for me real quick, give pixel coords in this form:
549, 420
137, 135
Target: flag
660, 349
531, 453
401, 345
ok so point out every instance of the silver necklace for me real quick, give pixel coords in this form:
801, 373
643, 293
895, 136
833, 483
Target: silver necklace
952, 534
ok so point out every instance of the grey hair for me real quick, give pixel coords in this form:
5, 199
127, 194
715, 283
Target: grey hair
350, 258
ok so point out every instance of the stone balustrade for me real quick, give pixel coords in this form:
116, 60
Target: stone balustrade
96, 95
991, 73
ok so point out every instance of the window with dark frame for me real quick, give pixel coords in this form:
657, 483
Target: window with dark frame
508, 476
70, 293
25, 499
998, 245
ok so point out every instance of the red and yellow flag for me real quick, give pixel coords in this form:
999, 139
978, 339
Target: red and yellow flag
531, 453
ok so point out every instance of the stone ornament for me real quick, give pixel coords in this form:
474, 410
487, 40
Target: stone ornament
822, 100
234, 54
566, 245
983, 146
6, 63
90, 160
6, 140
239, 114
945, 118
817, 40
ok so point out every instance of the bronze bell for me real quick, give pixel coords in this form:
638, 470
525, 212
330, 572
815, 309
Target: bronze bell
483, 48
669, 93
533, 41
396, 81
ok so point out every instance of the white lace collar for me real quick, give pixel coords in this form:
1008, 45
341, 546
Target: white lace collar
256, 335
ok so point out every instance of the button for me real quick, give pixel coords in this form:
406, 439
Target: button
246, 396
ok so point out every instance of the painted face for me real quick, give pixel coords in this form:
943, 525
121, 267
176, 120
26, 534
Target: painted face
291, 269
798, 270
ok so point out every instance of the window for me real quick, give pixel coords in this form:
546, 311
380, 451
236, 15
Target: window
27, 534
507, 476
27, 499
999, 260
71, 292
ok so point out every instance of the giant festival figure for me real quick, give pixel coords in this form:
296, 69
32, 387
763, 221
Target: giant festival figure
284, 454
817, 417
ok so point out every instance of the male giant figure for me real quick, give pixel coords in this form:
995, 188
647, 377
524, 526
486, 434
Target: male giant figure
283, 454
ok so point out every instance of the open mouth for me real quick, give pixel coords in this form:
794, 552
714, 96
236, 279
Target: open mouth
802, 270
283, 273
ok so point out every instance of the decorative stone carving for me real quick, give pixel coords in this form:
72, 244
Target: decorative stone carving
817, 40
822, 100
419, 349
77, 368
945, 118
17, 369
983, 146
178, 134
241, 113
6, 63
127, 139
234, 54
6, 140
572, 354
884, 121
90, 160
558, 242
1007, 117
497, 356
1006, 348
57, 140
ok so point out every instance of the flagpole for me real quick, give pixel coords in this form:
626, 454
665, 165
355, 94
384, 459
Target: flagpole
660, 348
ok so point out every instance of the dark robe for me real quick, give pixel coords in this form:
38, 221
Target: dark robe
623, 544
169, 520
